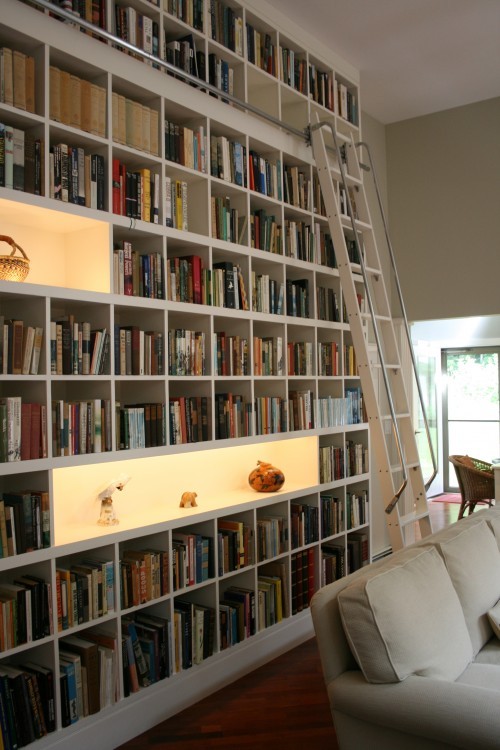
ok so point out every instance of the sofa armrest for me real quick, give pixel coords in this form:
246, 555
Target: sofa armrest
449, 712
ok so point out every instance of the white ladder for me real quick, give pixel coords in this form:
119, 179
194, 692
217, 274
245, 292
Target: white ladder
387, 406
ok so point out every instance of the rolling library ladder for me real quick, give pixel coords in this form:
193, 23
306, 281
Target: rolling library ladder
388, 410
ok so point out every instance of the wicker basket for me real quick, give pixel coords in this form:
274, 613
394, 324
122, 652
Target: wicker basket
13, 267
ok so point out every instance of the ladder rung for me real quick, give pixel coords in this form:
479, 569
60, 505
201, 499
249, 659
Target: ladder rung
412, 517
348, 177
377, 365
346, 223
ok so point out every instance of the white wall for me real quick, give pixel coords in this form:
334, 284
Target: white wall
443, 177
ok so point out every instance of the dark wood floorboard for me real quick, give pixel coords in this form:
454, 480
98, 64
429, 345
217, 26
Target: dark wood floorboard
281, 704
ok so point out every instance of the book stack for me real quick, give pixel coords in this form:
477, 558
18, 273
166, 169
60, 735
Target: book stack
233, 416
77, 102
143, 576
272, 537
304, 524
134, 124
300, 358
138, 352
147, 655
331, 463
230, 354
194, 630
27, 698
24, 522
17, 79
80, 427
189, 419
332, 515
192, 559
186, 146
25, 609
140, 425
136, 192
176, 203
138, 274
303, 583
85, 592
271, 415
23, 430
268, 355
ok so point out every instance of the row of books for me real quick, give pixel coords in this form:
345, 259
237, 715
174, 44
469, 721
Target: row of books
355, 409
192, 559
88, 674
332, 515
189, 11
25, 611
293, 69
85, 591
264, 176
300, 410
17, 79
261, 51
331, 463
268, 355
21, 160
77, 102
296, 188
137, 273
237, 616
176, 203
137, 29
134, 124
136, 193
20, 347
297, 298
76, 176
327, 304
220, 74
321, 87
334, 411
357, 509
81, 427
144, 576
138, 352
267, 294
356, 458
23, 429
303, 582
194, 633
225, 26
304, 524
271, 415
265, 232
350, 364
28, 703
328, 358
141, 425
188, 419
147, 653
78, 349
300, 358
225, 221
228, 160
230, 354
186, 352
186, 146
234, 545
24, 522
271, 537
233, 416
333, 562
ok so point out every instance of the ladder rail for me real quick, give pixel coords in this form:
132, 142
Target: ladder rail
394, 500
371, 168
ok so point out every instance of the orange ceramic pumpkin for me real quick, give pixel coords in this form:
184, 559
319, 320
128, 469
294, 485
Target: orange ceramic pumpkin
266, 478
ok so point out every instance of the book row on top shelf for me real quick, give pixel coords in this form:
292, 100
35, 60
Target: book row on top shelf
213, 40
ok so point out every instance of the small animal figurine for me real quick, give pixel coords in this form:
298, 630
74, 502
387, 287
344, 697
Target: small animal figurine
188, 500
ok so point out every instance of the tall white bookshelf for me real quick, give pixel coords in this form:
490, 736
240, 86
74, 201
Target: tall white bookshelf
73, 272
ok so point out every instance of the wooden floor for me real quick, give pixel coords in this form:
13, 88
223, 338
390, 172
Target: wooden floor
282, 704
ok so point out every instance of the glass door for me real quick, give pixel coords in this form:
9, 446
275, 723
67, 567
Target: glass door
471, 417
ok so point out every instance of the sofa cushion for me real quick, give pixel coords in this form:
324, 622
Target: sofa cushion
494, 618
406, 619
472, 558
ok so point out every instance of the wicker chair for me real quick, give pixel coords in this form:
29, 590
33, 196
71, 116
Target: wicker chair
476, 482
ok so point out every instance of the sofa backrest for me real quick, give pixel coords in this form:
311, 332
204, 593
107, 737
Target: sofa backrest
335, 649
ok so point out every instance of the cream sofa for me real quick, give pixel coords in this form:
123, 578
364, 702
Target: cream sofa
409, 644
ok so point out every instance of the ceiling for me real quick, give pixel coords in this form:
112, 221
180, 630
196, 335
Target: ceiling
415, 57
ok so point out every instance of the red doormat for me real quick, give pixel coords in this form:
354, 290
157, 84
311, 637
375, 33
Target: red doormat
452, 497
447, 497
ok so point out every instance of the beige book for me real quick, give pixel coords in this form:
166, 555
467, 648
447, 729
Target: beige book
153, 137
76, 102
146, 129
94, 109
19, 78
6, 79
101, 111
122, 119
129, 121
85, 105
65, 97
30, 83
114, 117
55, 93
137, 125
